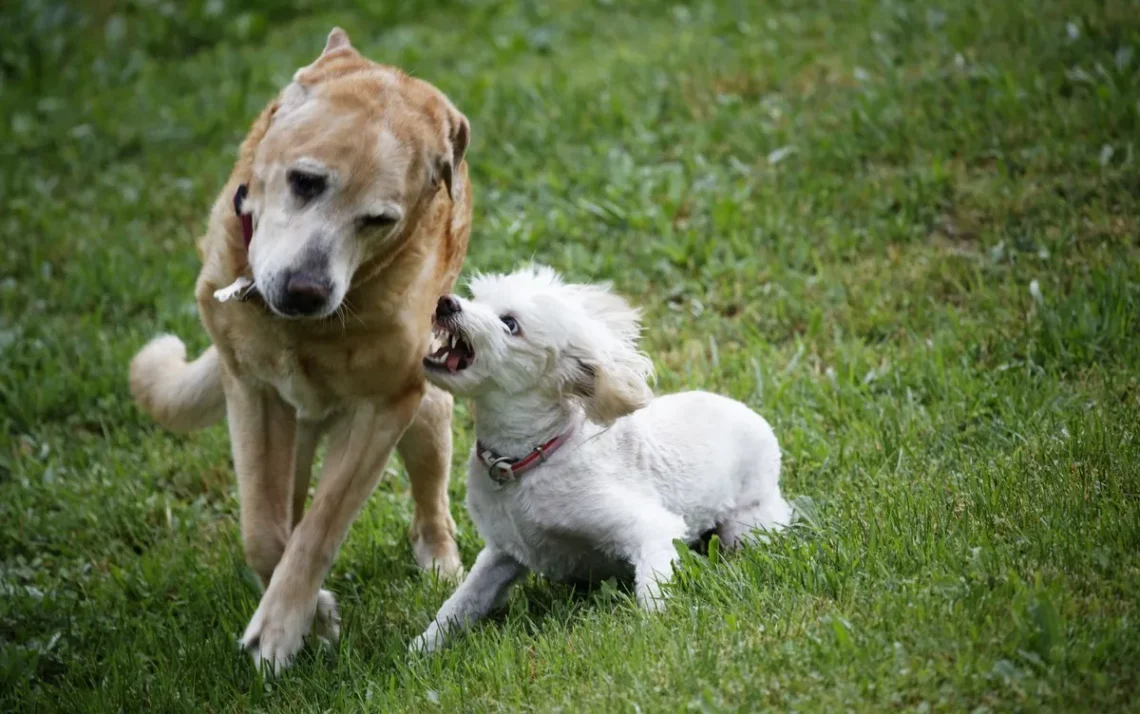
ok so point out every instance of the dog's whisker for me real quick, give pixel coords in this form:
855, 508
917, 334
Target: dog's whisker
351, 312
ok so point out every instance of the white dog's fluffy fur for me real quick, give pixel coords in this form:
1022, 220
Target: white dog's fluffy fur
636, 473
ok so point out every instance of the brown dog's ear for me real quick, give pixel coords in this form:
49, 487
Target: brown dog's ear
337, 38
297, 91
458, 132
337, 44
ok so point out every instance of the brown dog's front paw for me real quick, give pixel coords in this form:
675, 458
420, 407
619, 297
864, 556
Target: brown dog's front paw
326, 624
276, 632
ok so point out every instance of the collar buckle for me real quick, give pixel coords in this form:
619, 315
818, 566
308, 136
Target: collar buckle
501, 470
504, 470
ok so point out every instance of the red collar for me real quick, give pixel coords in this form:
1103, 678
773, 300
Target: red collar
504, 469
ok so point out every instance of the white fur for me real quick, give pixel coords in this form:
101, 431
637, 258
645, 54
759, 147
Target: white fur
611, 501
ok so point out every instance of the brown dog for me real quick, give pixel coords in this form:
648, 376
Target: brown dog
352, 215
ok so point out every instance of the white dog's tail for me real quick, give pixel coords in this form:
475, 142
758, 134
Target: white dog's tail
180, 395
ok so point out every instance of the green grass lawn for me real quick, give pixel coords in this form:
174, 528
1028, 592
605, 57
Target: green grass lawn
908, 233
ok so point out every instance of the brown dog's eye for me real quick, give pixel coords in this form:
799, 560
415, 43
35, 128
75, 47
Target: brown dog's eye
378, 220
306, 186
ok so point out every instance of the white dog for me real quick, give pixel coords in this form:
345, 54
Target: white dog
579, 473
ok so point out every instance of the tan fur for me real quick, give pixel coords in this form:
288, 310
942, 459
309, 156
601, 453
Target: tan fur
179, 395
357, 375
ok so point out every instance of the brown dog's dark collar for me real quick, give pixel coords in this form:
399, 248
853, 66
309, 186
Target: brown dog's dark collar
245, 218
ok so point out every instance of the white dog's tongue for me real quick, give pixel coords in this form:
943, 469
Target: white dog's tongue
453, 361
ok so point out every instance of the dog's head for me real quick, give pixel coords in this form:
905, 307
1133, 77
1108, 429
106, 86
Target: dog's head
353, 153
529, 332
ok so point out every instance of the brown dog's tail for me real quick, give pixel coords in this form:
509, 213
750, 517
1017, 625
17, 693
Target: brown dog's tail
180, 395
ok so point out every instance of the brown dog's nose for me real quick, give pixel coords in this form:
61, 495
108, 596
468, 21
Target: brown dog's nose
446, 307
305, 293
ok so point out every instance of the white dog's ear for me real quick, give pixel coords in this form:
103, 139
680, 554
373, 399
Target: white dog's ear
607, 371
608, 389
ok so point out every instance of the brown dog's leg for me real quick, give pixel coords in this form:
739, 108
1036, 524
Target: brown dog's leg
262, 434
308, 434
360, 442
426, 451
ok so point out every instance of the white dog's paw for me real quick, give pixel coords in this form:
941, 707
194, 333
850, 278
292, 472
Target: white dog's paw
277, 630
652, 604
651, 597
447, 565
326, 624
429, 642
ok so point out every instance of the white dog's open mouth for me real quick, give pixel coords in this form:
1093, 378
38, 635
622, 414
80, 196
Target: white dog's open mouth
449, 350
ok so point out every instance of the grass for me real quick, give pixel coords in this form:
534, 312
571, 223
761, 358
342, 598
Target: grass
833, 211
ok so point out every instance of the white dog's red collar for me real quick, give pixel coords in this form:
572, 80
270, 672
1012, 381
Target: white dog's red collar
504, 469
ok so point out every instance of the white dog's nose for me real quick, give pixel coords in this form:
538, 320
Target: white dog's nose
448, 305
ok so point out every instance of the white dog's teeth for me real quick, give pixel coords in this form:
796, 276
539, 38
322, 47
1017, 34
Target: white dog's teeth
454, 339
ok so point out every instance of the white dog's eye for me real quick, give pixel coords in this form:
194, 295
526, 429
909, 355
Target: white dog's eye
511, 323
